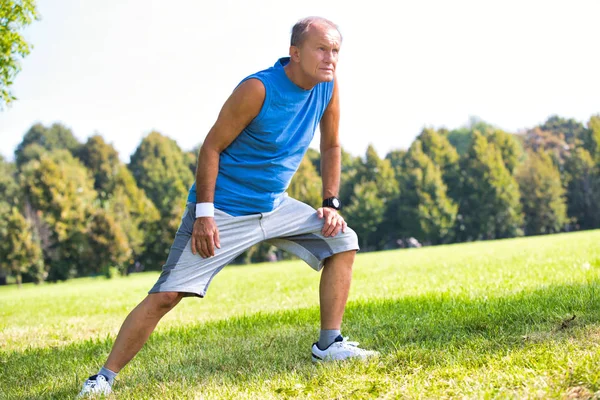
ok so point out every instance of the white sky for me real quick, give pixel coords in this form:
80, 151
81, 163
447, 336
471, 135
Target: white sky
122, 68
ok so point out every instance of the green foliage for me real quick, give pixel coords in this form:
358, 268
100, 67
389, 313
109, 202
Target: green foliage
396, 159
489, 206
108, 245
365, 212
306, 184
9, 188
192, 158
423, 209
460, 139
509, 146
58, 187
20, 250
134, 211
438, 148
119, 193
593, 143
350, 165
315, 158
542, 195
569, 129
160, 168
40, 140
102, 160
15, 15
583, 189
374, 182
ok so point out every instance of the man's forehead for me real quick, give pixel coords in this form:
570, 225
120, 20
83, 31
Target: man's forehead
324, 32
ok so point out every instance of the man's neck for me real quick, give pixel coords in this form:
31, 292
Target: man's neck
295, 74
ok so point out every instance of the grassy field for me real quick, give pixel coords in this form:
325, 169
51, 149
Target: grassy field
516, 318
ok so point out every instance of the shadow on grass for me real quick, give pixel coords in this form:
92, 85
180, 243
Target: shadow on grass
266, 345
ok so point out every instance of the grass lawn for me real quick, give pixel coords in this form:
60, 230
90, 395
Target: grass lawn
516, 318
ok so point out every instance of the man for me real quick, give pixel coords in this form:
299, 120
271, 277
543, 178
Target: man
238, 200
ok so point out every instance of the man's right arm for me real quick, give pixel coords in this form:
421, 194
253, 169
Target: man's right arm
239, 110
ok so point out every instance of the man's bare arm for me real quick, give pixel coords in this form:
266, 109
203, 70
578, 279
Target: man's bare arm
331, 157
239, 110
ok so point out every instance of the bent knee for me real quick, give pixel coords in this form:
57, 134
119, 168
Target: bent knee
166, 300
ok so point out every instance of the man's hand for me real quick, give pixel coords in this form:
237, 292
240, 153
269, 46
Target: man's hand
333, 223
205, 237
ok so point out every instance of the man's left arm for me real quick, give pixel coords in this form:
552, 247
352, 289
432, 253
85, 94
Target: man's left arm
331, 161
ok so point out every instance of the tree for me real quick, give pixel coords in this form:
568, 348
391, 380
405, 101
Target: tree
569, 129
15, 15
20, 252
9, 188
439, 150
119, 194
423, 209
542, 195
593, 143
583, 189
103, 162
396, 159
40, 140
489, 206
134, 211
192, 158
306, 184
160, 168
350, 165
108, 245
60, 190
385, 187
509, 147
365, 212
315, 159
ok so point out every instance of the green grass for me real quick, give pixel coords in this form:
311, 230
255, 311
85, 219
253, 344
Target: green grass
482, 320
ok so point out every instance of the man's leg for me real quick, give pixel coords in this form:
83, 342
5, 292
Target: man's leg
138, 326
334, 287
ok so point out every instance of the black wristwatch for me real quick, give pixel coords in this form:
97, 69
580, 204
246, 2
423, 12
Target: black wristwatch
332, 202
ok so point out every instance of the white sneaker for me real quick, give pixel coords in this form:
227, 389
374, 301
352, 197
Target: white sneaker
341, 349
97, 384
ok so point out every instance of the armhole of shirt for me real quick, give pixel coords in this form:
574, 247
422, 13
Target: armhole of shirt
267, 100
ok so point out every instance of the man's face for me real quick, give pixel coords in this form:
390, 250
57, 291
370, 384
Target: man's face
318, 54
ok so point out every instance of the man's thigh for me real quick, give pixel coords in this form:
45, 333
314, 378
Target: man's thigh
189, 273
296, 228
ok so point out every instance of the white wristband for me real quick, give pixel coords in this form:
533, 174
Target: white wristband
205, 210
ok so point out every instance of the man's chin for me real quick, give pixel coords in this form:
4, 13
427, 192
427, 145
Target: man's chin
326, 77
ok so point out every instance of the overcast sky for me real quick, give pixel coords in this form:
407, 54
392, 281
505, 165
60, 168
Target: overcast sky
122, 68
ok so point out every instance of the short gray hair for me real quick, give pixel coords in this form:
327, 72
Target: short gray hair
301, 28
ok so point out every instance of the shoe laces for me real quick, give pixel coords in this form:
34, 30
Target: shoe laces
346, 342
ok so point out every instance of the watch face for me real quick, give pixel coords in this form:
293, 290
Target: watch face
336, 203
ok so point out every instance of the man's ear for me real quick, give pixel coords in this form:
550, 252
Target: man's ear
295, 53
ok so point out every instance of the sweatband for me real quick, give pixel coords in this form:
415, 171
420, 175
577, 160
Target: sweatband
205, 210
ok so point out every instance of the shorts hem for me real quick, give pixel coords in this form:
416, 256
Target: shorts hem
188, 292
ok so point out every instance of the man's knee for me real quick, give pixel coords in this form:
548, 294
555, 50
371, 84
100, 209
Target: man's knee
341, 260
165, 300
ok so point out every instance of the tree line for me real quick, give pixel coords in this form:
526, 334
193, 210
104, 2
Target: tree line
75, 209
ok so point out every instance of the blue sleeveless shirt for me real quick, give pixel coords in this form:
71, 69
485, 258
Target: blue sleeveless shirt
256, 168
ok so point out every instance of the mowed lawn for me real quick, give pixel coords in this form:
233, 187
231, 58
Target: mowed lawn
515, 318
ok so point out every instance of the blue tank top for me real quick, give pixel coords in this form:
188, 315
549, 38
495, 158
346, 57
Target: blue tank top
255, 170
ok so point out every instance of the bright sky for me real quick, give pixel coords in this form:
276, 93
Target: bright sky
122, 68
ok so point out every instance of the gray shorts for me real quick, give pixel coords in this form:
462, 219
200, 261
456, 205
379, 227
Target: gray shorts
293, 227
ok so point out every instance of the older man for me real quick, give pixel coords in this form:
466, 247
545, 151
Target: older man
238, 200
